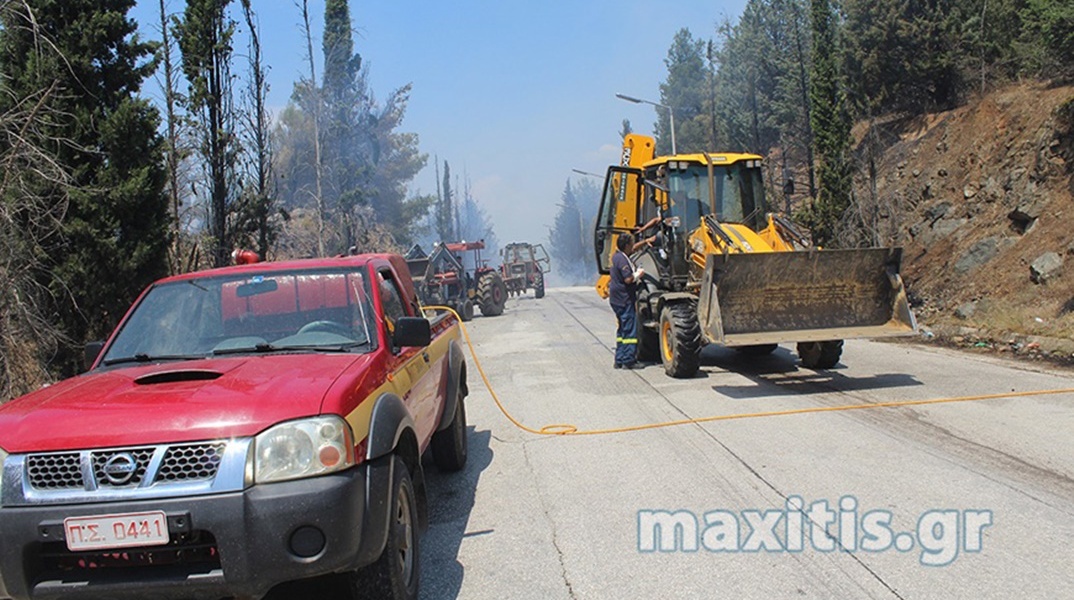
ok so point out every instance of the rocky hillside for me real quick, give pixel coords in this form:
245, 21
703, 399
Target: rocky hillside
984, 201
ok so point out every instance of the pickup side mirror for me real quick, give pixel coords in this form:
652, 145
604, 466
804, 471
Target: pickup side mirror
412, 331
93, 350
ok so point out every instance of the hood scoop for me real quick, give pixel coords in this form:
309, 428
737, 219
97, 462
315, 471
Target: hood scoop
178, 376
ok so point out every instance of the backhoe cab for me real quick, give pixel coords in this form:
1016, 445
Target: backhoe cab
723, 269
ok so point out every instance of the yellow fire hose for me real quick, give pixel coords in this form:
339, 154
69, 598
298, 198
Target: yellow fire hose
568, 429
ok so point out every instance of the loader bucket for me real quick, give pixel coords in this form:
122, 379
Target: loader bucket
804, 296
418, 268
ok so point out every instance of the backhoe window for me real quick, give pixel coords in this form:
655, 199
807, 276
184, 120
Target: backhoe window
753, 202
689, 194
739, 194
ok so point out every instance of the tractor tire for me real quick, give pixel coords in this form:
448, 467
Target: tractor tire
491, 294
648, 344
538, 285
680, 340
820, 355
758, 350
466, 310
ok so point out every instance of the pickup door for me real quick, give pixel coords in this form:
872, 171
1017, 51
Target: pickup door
419, 373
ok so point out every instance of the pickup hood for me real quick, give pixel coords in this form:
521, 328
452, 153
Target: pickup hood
173, 402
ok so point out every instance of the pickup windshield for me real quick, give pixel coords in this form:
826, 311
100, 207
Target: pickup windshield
291, 311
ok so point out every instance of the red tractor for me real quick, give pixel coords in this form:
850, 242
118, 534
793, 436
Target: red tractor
524, 266
442, 279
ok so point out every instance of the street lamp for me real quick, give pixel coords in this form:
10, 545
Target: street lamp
671, 114
581, 172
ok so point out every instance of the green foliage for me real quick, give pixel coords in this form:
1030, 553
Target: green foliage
831, 127
1051, 22
341, 64
684, 91
114, 236
904, 56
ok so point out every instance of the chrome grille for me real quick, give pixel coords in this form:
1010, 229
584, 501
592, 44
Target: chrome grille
173, 464
197, 462
55, 471
141, 457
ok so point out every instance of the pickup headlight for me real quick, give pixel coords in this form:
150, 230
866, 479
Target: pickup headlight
304, 448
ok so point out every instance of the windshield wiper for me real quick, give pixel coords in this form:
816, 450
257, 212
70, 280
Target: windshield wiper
266, 348
146, 358
260, 348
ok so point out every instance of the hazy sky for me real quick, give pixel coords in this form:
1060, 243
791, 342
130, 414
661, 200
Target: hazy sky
513, 94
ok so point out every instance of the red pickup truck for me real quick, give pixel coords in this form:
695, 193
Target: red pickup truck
242, 427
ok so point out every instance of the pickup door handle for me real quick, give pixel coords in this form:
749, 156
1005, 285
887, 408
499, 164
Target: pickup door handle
425, 355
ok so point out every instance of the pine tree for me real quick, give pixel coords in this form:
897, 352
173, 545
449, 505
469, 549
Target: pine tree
904, 56
1052, 23
831, 127
684, 92
115, 233
566, 240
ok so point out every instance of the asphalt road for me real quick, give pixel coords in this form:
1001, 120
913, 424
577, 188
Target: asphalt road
548, 517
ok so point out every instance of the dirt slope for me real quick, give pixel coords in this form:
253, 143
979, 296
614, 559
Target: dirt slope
984, 196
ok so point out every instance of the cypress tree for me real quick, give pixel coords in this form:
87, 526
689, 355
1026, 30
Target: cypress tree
831, 127
348, 155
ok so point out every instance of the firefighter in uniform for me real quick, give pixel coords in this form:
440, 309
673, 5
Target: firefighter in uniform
622, 295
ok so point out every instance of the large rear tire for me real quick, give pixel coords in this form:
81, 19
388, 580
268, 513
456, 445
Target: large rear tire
680, 339
491, 294
394, 576
820, 355
538, 285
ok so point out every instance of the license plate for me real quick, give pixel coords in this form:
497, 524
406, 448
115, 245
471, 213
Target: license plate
116, 531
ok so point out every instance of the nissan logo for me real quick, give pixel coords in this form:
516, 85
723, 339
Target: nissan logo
120, 469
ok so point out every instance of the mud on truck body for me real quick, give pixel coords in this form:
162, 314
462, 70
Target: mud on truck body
242, 427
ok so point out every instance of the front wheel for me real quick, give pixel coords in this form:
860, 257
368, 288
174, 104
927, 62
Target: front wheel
820, 355
538, 285
680, 339
394, 576
466, 310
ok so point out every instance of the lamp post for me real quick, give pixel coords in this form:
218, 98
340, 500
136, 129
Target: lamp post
581, 172
671, 114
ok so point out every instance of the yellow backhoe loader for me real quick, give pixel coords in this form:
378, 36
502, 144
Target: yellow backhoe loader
724, 270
